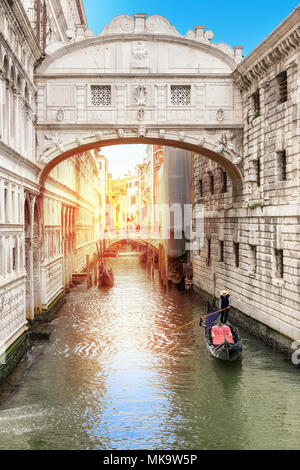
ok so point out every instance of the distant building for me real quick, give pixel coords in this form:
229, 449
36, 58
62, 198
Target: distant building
103, 181
124, 198
171, 192
145, 175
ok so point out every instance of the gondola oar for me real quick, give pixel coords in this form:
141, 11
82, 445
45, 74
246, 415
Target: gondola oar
200, 319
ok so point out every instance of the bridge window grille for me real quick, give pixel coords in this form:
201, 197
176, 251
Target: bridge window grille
282, 87
101, 95
236, 247
279, 263
180, 95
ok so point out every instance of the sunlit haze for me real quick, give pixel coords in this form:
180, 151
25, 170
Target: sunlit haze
124, 158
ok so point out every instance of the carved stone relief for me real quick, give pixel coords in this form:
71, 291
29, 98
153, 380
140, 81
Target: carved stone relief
225, 144
140, 55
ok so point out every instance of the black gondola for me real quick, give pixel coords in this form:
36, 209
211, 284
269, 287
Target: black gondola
222, 341
106, 280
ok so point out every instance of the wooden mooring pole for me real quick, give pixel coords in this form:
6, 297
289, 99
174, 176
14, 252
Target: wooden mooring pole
95, 268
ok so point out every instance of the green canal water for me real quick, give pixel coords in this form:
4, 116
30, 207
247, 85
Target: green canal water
114, 376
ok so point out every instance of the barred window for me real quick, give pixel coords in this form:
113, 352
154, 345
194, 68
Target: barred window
208, 259
279, 263
281, 164
253, 258
224, 181
282, 87
180, 95
256, 103
101, 95
236, 249
221, 258
201, 188
257, 171
212, 184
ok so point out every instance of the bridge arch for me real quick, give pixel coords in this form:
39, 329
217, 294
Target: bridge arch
63, 150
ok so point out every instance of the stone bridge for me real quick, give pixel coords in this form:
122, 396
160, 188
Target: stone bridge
140, 81
144, 240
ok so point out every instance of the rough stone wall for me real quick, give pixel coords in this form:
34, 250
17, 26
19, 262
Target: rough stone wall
266, 223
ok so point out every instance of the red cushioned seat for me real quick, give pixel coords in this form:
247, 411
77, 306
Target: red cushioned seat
220, 334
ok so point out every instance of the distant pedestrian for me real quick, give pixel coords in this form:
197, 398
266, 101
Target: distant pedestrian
224, 305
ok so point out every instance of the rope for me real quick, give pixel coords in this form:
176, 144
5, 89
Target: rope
201, 318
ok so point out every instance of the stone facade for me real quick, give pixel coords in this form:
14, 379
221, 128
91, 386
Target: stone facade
54, 21
38, 248
251, 246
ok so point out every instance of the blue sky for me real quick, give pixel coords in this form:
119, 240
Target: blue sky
236, 23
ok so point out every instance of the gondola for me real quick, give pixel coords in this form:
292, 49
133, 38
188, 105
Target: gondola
106, 280
175, 278
222, 341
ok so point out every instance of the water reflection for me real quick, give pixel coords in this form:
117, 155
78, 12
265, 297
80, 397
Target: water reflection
114, 376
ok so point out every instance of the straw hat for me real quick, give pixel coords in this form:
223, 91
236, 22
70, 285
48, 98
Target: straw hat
224, 292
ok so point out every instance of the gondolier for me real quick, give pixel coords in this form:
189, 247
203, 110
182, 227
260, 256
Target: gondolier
224, 303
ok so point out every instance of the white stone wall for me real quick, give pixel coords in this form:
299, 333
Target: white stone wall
33, 233
18, 53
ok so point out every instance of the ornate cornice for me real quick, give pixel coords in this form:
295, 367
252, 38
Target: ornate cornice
281, 44
139, 28
15, 156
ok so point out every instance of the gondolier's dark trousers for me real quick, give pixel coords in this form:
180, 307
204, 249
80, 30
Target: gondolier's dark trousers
224, 316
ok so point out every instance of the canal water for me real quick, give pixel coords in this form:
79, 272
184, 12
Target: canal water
115, 376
